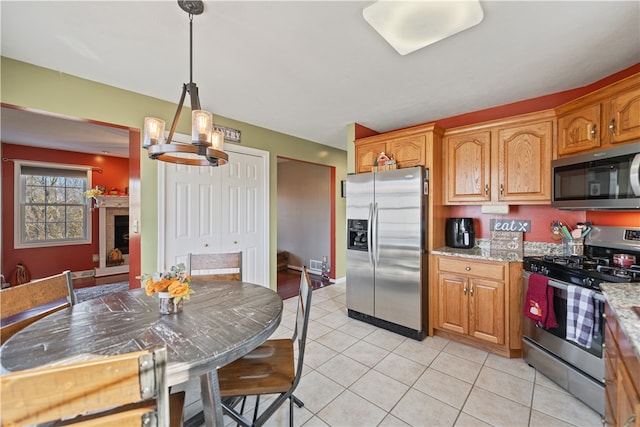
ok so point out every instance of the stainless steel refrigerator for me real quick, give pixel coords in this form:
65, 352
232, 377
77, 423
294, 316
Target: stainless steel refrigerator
386, 257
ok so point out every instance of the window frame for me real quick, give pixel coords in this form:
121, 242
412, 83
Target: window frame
19, 197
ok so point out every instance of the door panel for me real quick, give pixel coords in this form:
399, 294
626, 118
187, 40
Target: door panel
452, 297
487, 311
217, 209
359, 275
399, 200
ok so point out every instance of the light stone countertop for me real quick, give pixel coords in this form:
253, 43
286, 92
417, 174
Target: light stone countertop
622, 297
482, 250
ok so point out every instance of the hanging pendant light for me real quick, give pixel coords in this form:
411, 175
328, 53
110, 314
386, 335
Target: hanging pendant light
207, 144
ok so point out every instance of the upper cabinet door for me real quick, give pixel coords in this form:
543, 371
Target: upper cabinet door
408, 151
624, 117
579, 130
366, 154
524, 162
468, 167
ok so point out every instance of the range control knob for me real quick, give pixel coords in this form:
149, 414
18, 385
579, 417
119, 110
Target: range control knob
588, 282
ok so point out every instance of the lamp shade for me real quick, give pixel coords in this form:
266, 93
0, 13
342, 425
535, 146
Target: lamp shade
217, 140
201, 126
153, 132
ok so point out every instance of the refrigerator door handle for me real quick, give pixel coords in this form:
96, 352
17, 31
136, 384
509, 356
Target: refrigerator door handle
376, 248
369, 234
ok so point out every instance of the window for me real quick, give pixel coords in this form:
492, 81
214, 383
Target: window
51, 209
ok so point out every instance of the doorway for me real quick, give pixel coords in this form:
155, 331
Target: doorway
306, 222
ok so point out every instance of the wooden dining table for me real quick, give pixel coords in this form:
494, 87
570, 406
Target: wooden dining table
221, 322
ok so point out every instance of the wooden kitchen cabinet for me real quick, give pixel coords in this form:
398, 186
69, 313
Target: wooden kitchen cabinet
409, 147
622, 376
417, 145
366, 154
524, 161
468, 166
503, 161
600, 119
477, 304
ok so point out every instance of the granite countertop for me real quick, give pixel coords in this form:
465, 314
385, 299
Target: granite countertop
482, 250
621, 297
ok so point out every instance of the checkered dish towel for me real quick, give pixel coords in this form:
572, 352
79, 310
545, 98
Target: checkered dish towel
580, 312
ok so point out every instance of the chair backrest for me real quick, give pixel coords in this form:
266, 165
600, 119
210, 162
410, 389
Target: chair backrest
302, 320
127, 389
220, 266
24, 304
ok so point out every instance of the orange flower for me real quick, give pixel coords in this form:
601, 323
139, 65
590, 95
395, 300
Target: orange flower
161, 285
180, 290
148, 287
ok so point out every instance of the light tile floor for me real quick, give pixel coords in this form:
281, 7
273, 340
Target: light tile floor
358, 375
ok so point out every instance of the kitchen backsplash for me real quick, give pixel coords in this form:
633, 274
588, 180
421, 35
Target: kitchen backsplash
529, 247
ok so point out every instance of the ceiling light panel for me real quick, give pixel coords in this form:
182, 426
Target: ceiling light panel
411, 25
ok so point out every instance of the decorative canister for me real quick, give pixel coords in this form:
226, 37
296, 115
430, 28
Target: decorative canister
573, 247
169, 304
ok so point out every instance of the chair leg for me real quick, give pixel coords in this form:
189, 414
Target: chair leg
291, 411
255, 410
297, 401
244, 400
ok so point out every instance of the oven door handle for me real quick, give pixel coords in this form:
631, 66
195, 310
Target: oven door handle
562, 286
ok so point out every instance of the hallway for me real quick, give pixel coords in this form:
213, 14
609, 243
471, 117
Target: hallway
289, 282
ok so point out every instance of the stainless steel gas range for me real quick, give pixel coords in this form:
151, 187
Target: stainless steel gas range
608, 257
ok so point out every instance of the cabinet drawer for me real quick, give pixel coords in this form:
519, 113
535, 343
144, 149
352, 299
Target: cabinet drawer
471, 267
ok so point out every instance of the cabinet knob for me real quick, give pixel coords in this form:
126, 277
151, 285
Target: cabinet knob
604, 315
593, 131
486, 189
612, 127
467, 268
502, 189
206, 245
464, 290
471, 290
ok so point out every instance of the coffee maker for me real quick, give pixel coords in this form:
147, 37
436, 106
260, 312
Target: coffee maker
460, 233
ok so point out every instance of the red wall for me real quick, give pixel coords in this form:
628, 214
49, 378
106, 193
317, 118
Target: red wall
43, 262
541, 217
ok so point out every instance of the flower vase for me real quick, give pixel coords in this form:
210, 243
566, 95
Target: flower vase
169, 304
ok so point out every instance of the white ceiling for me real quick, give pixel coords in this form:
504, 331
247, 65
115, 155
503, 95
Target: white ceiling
309, 68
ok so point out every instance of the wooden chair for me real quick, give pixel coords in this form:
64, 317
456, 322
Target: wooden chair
124, 390
22, 305
271, 368
220, 266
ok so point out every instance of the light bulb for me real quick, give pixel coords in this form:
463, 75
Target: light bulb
201, 125
153, 131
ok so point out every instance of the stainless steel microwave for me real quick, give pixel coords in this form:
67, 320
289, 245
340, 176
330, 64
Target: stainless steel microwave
601, 180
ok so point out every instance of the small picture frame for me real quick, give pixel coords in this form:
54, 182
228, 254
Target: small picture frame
594, 189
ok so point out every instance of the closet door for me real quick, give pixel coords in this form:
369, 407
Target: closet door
216, 209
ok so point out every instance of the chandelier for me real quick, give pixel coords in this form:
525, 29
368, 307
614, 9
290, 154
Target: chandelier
206, 148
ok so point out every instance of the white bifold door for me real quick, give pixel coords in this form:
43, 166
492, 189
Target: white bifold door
217, 209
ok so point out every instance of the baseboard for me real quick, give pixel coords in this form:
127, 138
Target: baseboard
82, 274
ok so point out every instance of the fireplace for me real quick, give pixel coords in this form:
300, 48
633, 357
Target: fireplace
113, 233
121, 233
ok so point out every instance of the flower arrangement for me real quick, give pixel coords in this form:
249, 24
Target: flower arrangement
93, 192
175, 281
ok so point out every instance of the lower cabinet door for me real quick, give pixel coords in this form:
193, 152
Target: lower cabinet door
453, 307
486, 304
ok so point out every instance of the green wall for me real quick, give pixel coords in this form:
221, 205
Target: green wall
26, 85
